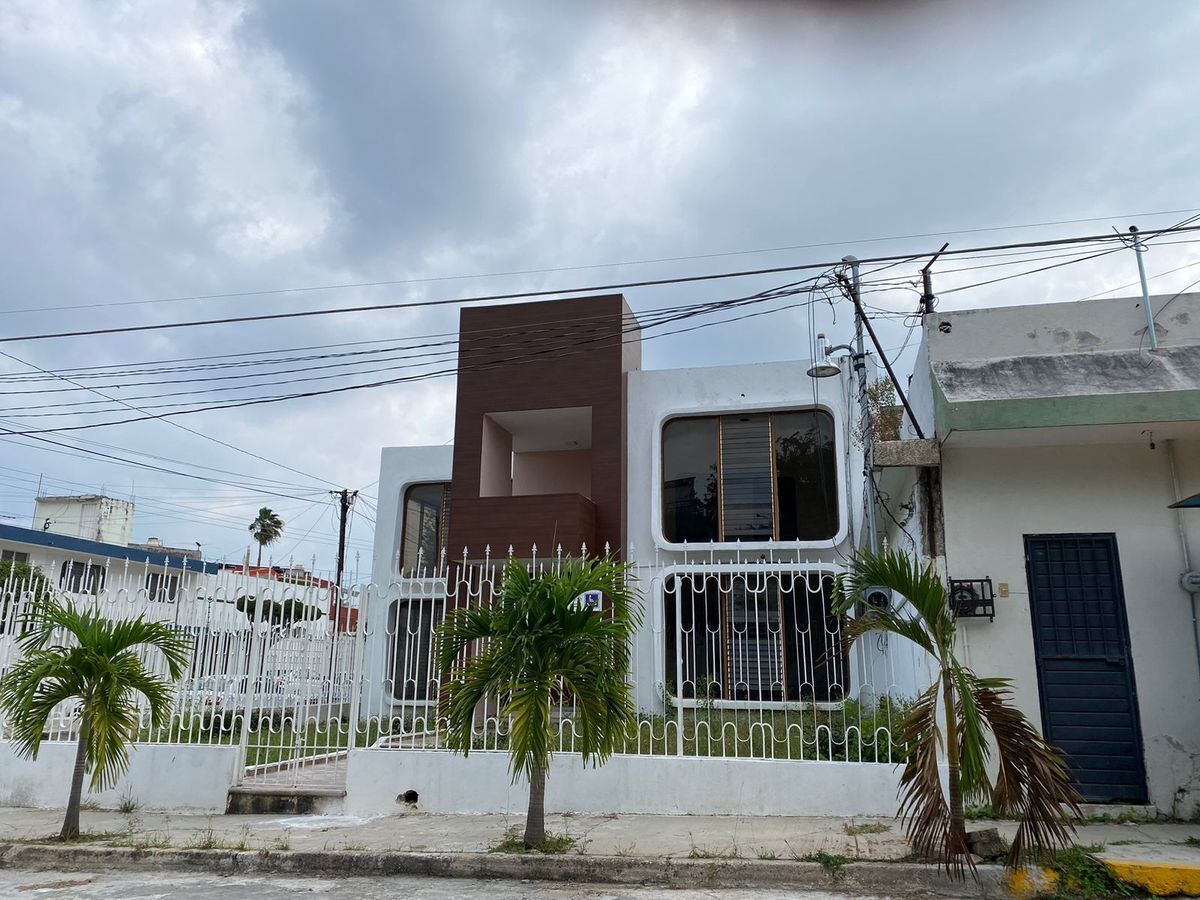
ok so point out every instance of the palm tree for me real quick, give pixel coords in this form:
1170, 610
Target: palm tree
537, 644
1031, 783
98, 667
266, 529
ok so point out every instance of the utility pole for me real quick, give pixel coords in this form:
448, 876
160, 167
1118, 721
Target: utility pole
346, 500
1139, 248
864, 403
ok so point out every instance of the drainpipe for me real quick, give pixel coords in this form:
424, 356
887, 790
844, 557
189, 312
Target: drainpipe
1183, 543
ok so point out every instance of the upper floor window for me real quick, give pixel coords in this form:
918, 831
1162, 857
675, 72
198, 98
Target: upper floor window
750, 477
162, 587
426, 522
81, 577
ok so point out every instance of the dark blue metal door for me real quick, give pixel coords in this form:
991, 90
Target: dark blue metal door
1081, 638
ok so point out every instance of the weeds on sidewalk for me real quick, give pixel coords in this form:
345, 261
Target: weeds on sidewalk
833, 863
700, 852
154, 840
866, 828
128, 804
1192, 841
205, 839
1080, 875
514, 842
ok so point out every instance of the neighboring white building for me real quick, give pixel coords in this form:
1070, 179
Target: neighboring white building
92, 517
1058, 440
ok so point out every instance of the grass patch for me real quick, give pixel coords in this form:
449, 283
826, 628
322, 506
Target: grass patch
867, 828
1192, 841
767, 854
128, 804
976, 813
1082, 876
514, 842
833, 863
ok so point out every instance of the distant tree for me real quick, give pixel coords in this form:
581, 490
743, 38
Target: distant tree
279, 612
266, 529
18, 580
100, 669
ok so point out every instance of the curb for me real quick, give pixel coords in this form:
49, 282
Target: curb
862, 877
1162, 879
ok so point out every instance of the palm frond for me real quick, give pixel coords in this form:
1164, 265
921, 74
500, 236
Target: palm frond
919, 585
923, 805
972, 742
1032, 783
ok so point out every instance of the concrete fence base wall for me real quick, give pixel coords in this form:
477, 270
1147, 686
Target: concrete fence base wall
191, 777
445, 782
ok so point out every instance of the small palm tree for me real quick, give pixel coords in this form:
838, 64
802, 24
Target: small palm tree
1032, 782
538, 644
98, 667
266, 529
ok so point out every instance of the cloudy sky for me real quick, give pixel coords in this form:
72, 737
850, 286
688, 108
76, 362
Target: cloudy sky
159, 151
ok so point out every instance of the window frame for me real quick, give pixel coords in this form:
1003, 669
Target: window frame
16, 556
821, 570
839, 453
431, 566
92, 578
391, 632
167, 589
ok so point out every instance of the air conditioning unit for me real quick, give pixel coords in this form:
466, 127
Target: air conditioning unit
972, 598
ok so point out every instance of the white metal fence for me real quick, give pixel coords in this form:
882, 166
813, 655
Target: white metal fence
736, 658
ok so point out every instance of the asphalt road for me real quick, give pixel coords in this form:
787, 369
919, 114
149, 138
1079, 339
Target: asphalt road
193, 886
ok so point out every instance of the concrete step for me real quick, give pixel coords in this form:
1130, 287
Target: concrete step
292, 801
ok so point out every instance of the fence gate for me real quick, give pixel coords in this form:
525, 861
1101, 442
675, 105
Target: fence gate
296, 728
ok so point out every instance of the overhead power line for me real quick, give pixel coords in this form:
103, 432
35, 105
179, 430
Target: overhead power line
228, 295
178, 425
572, 348
557, 292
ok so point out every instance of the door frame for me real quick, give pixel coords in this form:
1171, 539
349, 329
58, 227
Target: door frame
1123, 618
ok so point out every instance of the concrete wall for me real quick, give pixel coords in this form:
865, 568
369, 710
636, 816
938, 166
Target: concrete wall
656, 396
481, 783
495, 460
1116, 323
994, 496
399, 468
94, 518
190, 777
537, 472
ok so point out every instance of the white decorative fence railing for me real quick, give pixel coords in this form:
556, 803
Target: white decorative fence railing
736, 658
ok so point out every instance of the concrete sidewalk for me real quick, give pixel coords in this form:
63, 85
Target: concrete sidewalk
747, 837
674, 841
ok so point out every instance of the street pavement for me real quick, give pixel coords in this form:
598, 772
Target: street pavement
167, 886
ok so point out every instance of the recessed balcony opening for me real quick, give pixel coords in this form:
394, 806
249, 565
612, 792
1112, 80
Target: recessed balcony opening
537, 452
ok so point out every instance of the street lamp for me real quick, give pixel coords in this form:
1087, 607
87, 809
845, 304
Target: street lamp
823, 367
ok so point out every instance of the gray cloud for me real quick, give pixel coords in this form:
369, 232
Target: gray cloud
212, 147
